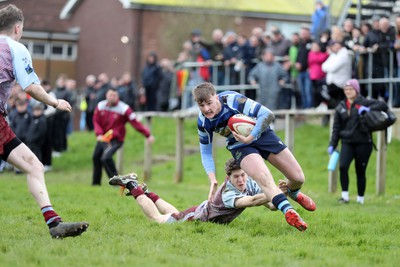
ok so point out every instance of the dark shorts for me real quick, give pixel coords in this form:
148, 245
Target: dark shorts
268, 143
8, 140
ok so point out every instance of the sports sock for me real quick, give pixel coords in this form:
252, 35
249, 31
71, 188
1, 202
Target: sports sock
281, 203
293, 193
345, 195
50, 216
135, 190
153, 196
360, 199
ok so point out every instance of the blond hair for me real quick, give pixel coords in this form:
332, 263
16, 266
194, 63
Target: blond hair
203, 92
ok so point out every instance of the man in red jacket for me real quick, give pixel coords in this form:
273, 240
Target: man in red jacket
109, 119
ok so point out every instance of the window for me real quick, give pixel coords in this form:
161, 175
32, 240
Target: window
51, 50
57, 50
39, 49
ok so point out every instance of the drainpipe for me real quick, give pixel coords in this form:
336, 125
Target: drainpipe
138, 52
48, 57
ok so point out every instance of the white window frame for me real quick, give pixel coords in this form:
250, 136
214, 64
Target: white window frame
48, 53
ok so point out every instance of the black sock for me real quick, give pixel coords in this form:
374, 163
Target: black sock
130, 186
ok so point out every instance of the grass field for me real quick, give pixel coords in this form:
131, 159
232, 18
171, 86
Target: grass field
120, 235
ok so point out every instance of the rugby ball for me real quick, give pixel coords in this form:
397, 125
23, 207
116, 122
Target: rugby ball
241, 124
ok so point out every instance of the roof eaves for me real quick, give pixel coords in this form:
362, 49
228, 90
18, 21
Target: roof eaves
68, 8
197, 10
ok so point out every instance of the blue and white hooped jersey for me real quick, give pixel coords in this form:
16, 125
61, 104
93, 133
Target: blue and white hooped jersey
232, 103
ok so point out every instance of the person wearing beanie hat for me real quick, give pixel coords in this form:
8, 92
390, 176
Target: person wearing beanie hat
354, 84
356, 141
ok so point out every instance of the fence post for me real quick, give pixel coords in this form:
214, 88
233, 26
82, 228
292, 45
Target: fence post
179, 150
120, 159
147, 154
289, 131
332, 175
381, 163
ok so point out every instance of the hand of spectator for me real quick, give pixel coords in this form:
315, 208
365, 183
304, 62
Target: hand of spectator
253, 82
363, 109
373, 48
330, 150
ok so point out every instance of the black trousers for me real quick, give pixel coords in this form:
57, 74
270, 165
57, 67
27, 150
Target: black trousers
103, 157
47, 147
60, 125
360, 153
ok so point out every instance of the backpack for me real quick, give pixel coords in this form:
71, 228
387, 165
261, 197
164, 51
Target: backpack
378, 120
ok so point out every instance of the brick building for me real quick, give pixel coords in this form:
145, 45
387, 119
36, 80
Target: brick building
79, 37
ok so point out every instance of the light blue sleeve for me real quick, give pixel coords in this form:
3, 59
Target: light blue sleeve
230, 194
22, 63
207, 158
264, 119
229, 197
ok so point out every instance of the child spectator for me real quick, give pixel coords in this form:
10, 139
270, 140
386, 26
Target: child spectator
20, 119
36, 134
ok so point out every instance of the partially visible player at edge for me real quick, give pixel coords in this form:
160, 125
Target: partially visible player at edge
16, 65
250, 151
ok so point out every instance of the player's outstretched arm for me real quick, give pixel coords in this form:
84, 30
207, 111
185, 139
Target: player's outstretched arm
251, 201
38, 93
213, 186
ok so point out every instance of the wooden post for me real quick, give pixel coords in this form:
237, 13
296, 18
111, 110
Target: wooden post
179, 150
147, 155
289, 131
120, 159
381, 163
332, 175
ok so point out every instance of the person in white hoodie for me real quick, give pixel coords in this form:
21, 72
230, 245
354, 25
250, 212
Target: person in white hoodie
338, 70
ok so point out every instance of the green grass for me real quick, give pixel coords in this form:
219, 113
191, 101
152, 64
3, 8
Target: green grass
119, 234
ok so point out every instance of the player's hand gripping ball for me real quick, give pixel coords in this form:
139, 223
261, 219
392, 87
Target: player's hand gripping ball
241, 124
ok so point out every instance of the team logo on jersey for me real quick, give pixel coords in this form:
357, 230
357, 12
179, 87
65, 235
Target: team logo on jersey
238, 155
28, 69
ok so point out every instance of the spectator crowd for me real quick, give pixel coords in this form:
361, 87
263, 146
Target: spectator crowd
310, 67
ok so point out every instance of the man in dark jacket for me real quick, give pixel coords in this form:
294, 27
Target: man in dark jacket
61, 117
151, 75
303, 78
109, 119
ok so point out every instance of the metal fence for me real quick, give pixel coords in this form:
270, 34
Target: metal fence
217, 70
